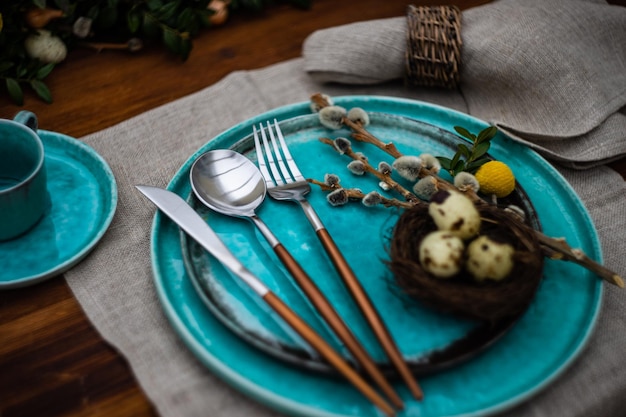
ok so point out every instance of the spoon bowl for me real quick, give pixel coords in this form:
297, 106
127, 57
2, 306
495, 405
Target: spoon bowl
227, 182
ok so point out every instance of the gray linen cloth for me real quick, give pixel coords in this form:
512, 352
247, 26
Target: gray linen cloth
114, 283
115, 288
551, 73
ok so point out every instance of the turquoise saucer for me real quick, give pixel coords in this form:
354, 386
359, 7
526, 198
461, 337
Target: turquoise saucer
82, 200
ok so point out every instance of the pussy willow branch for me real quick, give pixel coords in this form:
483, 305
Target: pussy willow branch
356, 194
406, 194
361, 134
553, 248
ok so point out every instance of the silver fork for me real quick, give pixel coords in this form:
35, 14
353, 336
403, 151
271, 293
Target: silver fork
284, 181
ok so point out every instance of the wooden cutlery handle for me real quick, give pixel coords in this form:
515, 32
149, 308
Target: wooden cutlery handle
336, 323
369, 311
326, 351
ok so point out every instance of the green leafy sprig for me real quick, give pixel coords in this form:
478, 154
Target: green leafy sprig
469, 158
171, 23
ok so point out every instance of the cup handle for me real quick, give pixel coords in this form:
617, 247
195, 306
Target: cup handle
28, 119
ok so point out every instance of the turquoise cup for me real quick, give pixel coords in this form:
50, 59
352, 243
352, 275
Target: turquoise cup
23, 194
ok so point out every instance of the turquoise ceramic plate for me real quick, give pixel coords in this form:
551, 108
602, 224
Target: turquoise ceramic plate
456, 340
82, 195
544, 341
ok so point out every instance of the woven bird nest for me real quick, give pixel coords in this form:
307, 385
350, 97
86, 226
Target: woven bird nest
462, 294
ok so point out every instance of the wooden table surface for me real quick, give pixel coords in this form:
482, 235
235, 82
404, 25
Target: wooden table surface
52, 360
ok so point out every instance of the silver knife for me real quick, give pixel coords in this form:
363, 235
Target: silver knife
194, 225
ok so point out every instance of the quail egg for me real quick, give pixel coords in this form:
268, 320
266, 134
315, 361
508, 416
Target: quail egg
489, 259
441, 254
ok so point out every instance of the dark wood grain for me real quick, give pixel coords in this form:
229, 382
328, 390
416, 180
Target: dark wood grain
52, 361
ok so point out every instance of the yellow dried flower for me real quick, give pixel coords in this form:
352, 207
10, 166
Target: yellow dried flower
496, 178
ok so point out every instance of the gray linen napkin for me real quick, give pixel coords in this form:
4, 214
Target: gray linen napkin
114, 283
551, 73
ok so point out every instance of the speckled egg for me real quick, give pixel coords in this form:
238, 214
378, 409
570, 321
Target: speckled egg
441, 254
489, 259
454, 212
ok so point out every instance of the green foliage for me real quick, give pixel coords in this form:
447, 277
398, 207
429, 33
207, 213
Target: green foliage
466, 158
171, 23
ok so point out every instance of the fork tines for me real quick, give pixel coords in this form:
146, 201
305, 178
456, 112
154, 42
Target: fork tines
276, 157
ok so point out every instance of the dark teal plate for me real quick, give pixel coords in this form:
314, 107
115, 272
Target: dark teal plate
82, 200
543, 342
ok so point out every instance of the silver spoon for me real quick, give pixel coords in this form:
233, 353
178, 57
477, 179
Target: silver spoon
231, 184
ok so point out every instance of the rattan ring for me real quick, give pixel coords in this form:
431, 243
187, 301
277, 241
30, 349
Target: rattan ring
433, 54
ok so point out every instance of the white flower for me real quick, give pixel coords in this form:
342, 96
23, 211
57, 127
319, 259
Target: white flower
45, 47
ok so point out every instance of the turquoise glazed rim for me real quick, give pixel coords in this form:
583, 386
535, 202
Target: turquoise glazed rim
82, 201
526, 360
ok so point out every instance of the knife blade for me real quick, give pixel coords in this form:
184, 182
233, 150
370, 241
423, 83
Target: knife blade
177, 209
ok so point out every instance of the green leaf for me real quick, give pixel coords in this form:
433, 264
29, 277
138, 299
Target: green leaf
22, 70
5, 65
455, 160
133, 20
93, 12
465, 133
480, 149
150, 25
107, 17
167, 12
15, 91
172, 41
487, 134
203, 17
446, 163
473, 167
63, 5
40, 3
44, 71
185, 17
185, 48
154, 5
459, 166
464, 150
187, 21
42, 90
